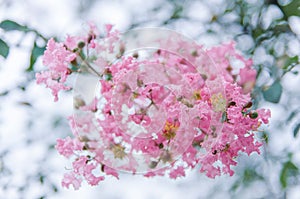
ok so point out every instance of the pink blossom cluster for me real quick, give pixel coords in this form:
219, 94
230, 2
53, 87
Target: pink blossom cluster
156, 112
57, 58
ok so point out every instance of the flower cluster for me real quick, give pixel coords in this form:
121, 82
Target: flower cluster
156, 111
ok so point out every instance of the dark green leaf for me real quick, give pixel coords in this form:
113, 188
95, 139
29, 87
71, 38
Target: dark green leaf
265, 137
295, 72
296, 129
4, 49
4, 93
54, 188
292, 115
289, 169
9, 25
41, 179
280, 27
273, 93
35, 53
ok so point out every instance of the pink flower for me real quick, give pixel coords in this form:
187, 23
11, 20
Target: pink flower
178, 172
105, 86
73, 125
93, 28
208, 167
264, 115
57, 58
247, 79
79, 164
90, 177
82, 166
71, 42
146, 146
195, 80
90, 107
140, 119
111, 171
149, 174
185, 107
49, 78
108, 28
190, 156
71, 179
159, 172
67, 146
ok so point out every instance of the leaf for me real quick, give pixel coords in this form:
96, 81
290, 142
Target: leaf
9, 25
265, 137
25, 103
292, 9
291, 62
296, 129
4, 49
54, 188
289, 169
41, 178
292, 115
257, 32
177, 12
280, 27
250, 175
273, 93
35, 53
4, 93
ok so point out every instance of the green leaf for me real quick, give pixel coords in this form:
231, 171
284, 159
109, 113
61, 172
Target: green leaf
257, 32
289, 169
273, 93
292, 9
9, 25
177, 12
291, 62
4, 49
296, 129
35, 53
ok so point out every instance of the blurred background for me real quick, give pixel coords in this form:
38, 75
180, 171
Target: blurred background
268, 31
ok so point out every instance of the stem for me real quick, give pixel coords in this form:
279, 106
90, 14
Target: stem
39, 34
89, 66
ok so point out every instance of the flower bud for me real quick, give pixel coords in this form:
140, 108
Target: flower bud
194, 53
232, 103
78, 102
253, 115
153, 164
135, 55
166, 156
161, 145
81, 44
248, 105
